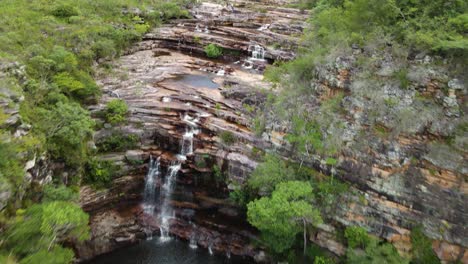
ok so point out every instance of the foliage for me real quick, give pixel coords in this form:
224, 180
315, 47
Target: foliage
44, 225
115, 111
68, 127
268, 174
422, 248
10, 167
100, 173
227, 137
305, 135
56, 255
357, 237
117, 141
59, 193
323, 260
218, 174
213, 51
280, 217
375, 252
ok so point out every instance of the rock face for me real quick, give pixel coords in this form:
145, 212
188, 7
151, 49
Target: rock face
398, 181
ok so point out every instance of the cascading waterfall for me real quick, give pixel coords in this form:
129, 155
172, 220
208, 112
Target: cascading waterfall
150, 188
166, 192
193, 237
258, 52
186, 148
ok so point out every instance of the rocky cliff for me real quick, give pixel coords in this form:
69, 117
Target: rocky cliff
398, 180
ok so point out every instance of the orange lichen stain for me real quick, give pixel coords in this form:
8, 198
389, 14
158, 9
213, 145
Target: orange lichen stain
442, 178
449, 252
383, 173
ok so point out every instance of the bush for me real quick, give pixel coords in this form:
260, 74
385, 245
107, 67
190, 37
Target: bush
65, 11
356, 237
60, 193
213, 51
422, 248
227, 137
117, 142
116, 110
100, 173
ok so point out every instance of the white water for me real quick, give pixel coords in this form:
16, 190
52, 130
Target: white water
220, 73
151, 180
264, 27
258, 52
167, 213
150, 185
186, 148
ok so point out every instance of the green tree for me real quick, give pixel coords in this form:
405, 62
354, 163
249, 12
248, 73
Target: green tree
68, 127
268, 174
42, 226
285, 214
357, 237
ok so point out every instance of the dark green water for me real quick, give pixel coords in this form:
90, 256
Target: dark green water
170, 252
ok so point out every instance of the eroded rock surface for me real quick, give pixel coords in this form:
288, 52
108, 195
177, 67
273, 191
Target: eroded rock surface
167, 84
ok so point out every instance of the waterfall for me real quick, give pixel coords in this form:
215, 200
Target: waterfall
197, 29
258, 52
166, 192
193, 237
150, 188
186, 148
149, 194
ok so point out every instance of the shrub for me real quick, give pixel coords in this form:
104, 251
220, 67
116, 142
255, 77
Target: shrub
65, 11
116, 110
172, 10
213, 51
60, 193
227, 137
117, 142
99, 173
357, 237
422, 248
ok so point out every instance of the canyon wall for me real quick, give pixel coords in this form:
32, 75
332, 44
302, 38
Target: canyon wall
398, 181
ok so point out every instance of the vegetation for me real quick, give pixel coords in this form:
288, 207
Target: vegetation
36, 233
58, 43
422, 248
117, 141
357, 237
227, 137
213, 51
366, 249
100, 173
285, 214
268, 174
116, 110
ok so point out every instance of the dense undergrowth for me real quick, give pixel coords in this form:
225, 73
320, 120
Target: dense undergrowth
50, 48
